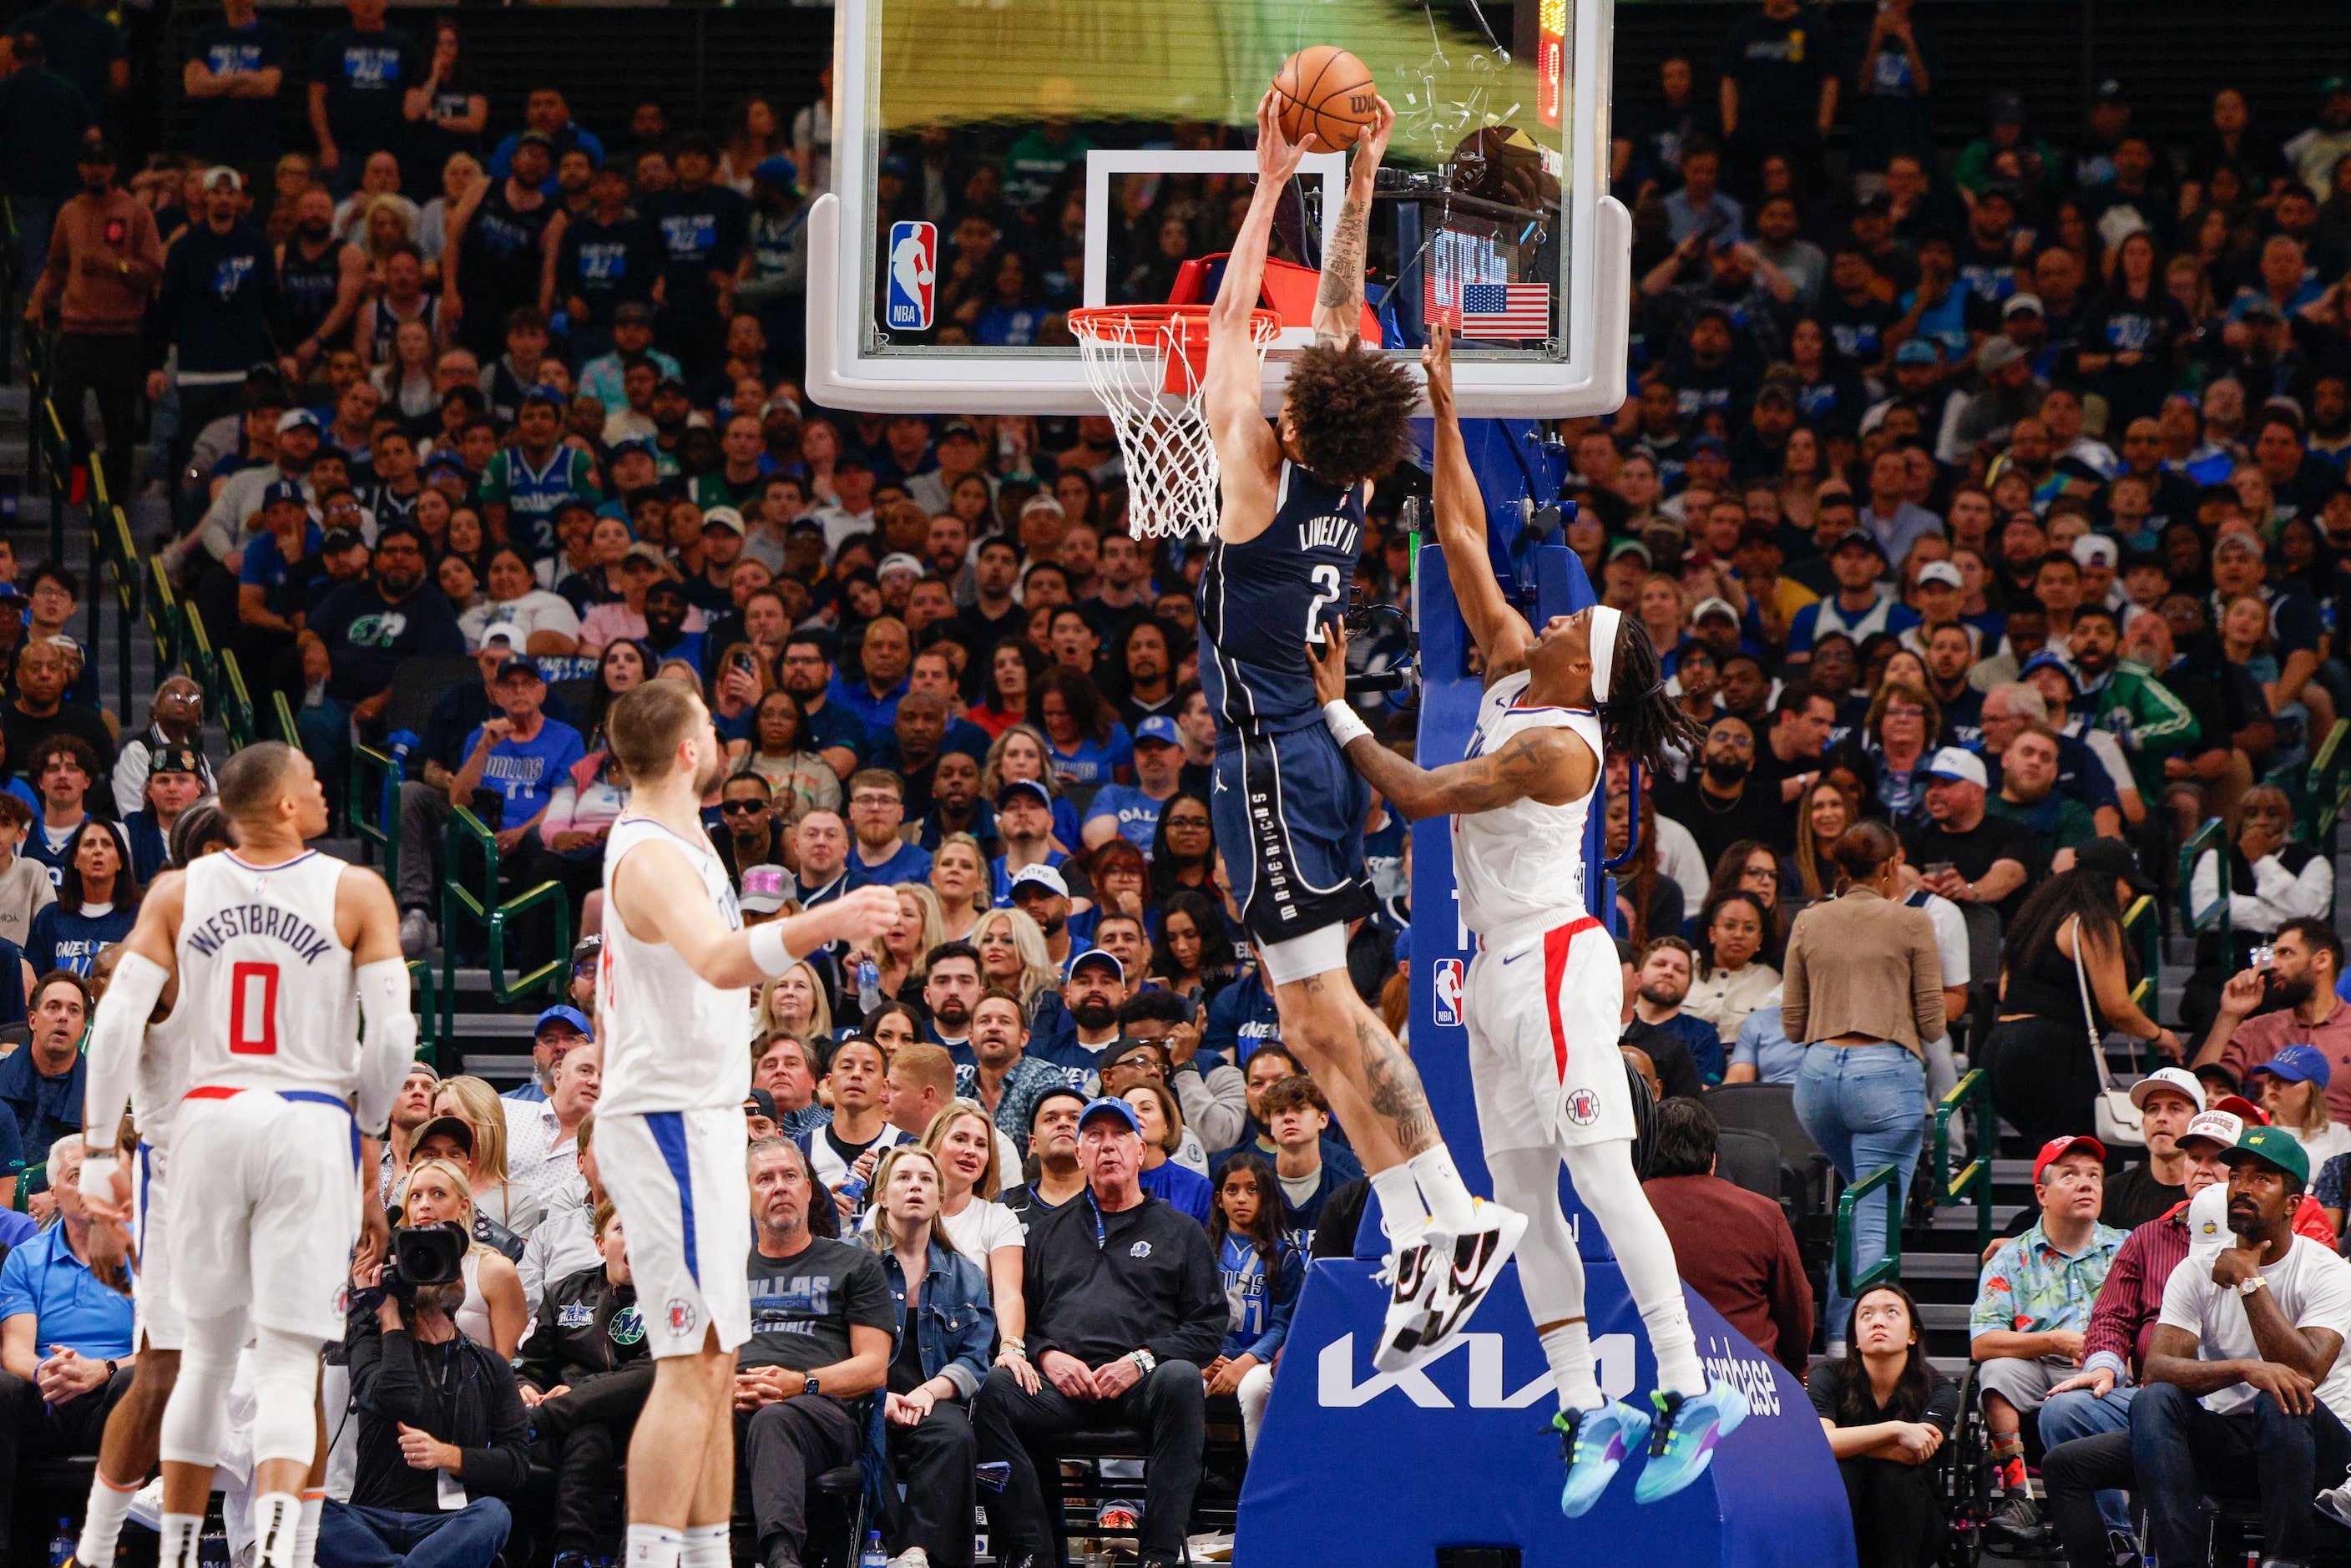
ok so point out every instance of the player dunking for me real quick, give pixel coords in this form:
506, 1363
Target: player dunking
1289, 814
1542, 993
128, 1224
672, 992
283, 958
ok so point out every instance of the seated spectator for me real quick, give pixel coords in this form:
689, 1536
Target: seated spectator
175, 781
2292, 1086
1263, 1272
1053, 1146
584, 1373
1003, 1076
1763, 1053
2245, 1389
2026, 1328
369, 628
919, 1085
1731, 978
2085, 1424
1181, 1187
2296, 1000
1213, 1094
174, 717
543, 1136
782, 1070
556, 1032
1298, 1119
511, 1204
2168, 1099
1687, 1050
517, 759
840, 1150
565, 1241
1886, 1412
424, 800
437, 1412
65, 1336
63, 770
41, 1083
877, 811
24, 885
2029, 796
96, 904
1733, 1247
1962, 853
43, 709
2271, 881
821, 1326
1043, 893
939, 1296
1121, 1319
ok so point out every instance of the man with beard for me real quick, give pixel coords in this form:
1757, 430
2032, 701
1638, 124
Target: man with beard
665, 615
2029, 796
2127, 701
990, 616
1856, 606
2306, 964
1687, 1052
323, 280
2081, 775
1949, 650
827, 728
105, 260
1053, 1139
1042, 894
505, 234
950, 989
1719, 803
955, 805
371, 628
2170, 496
1091, 996
1986, 859
1005, 1077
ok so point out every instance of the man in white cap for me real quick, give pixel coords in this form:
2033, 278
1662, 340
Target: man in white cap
2099, 557
1965, 854
2167, 1100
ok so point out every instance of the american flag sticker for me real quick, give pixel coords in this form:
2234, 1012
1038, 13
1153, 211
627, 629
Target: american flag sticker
1504, 310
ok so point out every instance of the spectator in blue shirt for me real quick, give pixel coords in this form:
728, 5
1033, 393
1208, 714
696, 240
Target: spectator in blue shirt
522, 755
63, 768
1161, 1120
65, 1336
1271, 1063
1042, 894
829, 728
886, 656
175, 781
96, 903
1296, 1115
1132, 811
41, 1082
1263, 1274
877, 810
1241, 1017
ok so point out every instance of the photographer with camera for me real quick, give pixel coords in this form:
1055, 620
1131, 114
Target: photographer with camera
443, 1433
585, 1372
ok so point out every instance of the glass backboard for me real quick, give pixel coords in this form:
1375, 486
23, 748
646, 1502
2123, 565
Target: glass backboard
1000, 162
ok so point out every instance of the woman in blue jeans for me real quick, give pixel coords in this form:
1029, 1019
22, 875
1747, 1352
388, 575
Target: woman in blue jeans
1863, 989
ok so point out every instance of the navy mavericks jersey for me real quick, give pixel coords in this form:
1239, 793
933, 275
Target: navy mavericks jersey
1261, 602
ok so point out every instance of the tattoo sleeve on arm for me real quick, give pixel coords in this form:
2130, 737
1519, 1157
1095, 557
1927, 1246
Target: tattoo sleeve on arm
1341, 290
1393, 1085
1480, 784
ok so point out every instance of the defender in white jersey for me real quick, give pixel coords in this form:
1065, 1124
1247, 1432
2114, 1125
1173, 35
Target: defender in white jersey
672, 993
280, 954
1542, 998
130, 1227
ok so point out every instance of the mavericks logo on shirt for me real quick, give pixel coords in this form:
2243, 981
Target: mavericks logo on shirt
626, 1327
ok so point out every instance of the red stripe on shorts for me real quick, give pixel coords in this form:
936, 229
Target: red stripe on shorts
211, 1091
1556, 942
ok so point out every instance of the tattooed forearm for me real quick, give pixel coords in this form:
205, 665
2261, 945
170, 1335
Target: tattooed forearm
1391, 1084
1480, 784
1343, 269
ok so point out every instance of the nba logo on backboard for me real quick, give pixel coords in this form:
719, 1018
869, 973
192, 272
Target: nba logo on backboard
1448, 991
914, 276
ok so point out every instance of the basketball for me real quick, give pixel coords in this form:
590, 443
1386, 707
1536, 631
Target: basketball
1327, 92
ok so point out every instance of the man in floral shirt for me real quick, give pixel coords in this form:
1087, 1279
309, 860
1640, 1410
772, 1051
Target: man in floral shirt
2027, 1328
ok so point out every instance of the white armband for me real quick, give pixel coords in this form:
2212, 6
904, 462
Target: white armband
1346, 725
768, 949
97, 1173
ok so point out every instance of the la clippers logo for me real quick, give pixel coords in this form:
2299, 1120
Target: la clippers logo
914, 276
1448, 991
1583, 1107
681, 1315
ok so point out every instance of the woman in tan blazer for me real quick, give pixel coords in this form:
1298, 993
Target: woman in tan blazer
1863, 988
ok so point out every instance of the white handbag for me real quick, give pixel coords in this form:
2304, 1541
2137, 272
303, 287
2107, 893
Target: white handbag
2118, 1120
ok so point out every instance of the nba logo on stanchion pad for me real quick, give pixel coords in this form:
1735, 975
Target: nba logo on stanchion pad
1448, 991
914, 276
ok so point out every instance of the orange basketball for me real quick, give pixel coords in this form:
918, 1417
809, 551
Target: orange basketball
1327, 92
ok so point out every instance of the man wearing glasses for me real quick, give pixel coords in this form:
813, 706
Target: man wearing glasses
1720, 803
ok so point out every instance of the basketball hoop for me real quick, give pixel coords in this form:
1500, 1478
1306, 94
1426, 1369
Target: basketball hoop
1148, 363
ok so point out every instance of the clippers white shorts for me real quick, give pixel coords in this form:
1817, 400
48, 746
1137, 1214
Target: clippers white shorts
1542, 1013
678, 1181
263, 1207
156, 1320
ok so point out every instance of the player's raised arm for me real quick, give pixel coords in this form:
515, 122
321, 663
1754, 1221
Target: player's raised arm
661, 898
1339, 302
1233, 395
1501, 634
1551, 765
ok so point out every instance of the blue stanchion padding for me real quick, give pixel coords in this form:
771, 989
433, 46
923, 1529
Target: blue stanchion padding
1357, 1466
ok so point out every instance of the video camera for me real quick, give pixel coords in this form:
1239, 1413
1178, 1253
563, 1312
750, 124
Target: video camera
420, 1255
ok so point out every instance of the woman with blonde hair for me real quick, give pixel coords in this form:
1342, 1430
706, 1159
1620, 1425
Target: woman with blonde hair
1012, 954
793, 1003
1023, 752
963, 1139
475, 1104
899, 952
959, 878
493, 1312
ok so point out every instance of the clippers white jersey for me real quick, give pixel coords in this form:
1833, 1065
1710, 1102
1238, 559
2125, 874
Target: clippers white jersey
265, 982
672, 1041
162, 1076
1520, 867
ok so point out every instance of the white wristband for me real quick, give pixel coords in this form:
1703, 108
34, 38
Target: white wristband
768, 949
1346, 725
97, 1174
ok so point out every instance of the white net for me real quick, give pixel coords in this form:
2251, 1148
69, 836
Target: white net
1145, 363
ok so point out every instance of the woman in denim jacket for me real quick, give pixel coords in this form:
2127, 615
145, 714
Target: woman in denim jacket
923, 1422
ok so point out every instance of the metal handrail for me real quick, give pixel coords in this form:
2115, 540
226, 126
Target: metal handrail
1886, 1267
2143, 923
2214, 836
428, 1030
2328, 784
375, 779
1972, 1096
460, 903
283, 713
236, 704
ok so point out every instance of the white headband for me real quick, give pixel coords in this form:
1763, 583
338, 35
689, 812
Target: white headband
1604, 624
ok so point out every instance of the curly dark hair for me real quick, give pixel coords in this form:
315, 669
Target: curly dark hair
1348, 406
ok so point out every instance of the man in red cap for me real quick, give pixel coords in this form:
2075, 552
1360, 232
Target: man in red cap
2026, 1328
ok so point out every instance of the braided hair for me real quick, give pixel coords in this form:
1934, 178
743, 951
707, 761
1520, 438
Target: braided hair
1638, 719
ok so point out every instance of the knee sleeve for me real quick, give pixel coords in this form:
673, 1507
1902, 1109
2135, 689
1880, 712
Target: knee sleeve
198, 1408
285, 1388
1550, 1274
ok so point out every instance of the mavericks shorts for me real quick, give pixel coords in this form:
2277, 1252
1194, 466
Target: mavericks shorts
677, 1180
263, 1207
1541, 1014
1289, 816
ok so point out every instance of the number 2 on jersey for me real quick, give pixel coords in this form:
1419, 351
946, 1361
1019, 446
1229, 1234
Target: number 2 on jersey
1326, 583
253, 1009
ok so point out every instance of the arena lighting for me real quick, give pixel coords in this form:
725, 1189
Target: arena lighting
1551, 57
